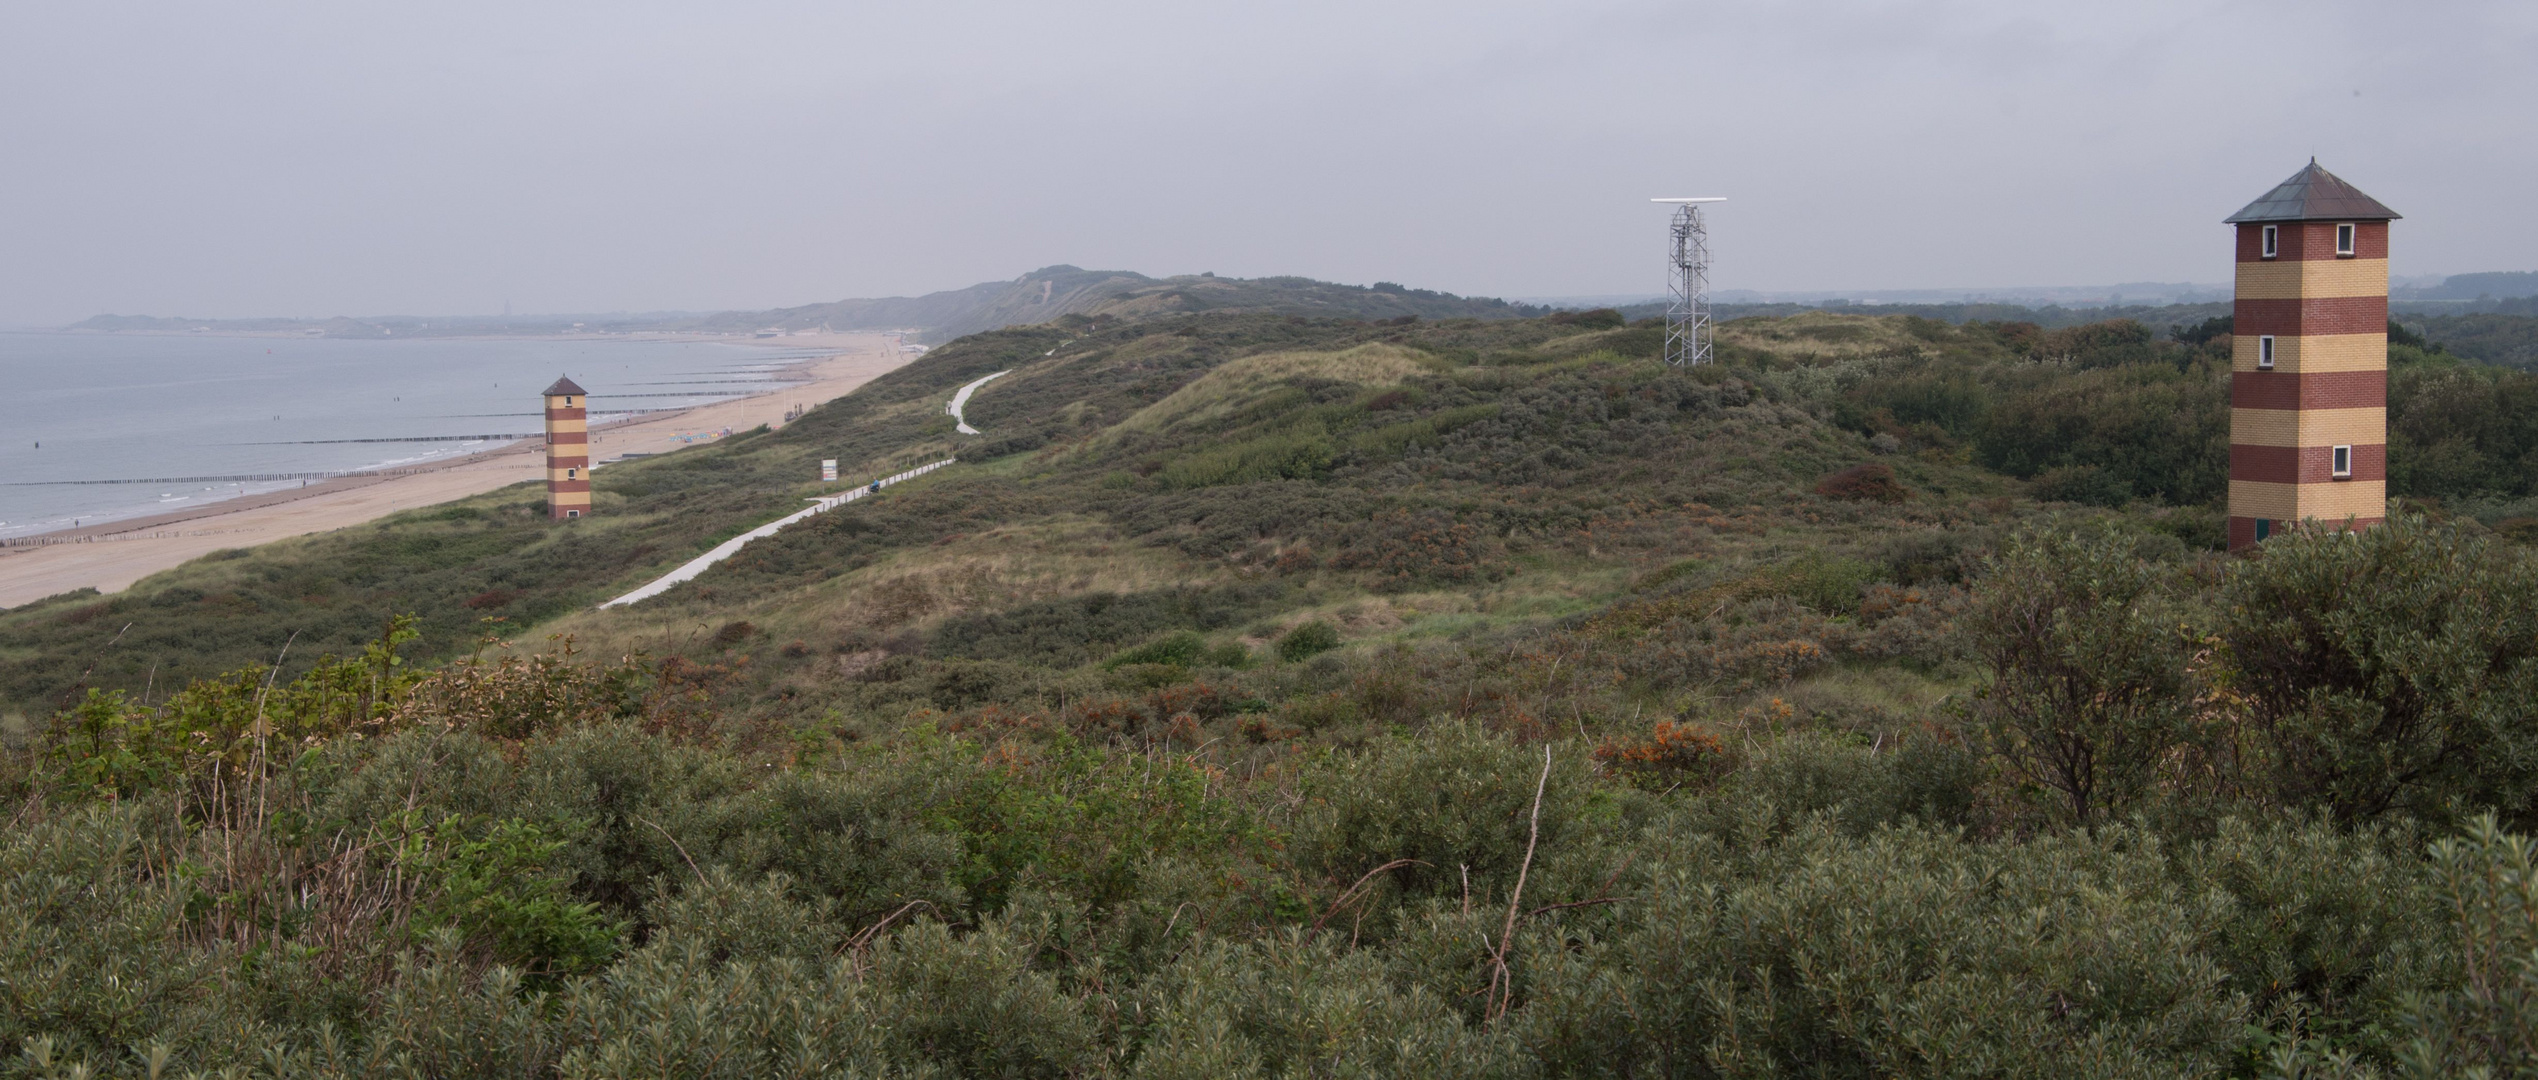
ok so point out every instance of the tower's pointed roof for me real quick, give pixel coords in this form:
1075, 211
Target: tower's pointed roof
2314, 194
565, 386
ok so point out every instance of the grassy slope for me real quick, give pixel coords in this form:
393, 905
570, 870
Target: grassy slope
1229, 474
493, 557
1238, 477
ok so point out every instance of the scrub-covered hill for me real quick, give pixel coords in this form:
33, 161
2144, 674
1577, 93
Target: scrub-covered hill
1275, 696
1042, 295
1057, 291
1522, 466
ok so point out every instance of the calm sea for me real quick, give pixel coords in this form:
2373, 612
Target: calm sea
144, 423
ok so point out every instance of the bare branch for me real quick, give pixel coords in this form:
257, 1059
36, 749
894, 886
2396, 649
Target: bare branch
1576, 904
674, 842
1504, 989
1344, 898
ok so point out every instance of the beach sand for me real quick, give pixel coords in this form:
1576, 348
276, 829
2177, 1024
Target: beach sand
111, 556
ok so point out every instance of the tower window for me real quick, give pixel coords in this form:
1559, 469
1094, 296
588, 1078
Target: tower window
2344, 239
2264, 528
572, 474
2342, 465
2265, 352
572, 513
2273, 241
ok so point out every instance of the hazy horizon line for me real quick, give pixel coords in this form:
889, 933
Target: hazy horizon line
2149, 290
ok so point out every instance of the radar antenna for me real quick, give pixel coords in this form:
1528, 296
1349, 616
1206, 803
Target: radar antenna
1688, 309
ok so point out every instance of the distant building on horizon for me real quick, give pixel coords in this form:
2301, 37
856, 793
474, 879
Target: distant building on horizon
2309, 368
567, 450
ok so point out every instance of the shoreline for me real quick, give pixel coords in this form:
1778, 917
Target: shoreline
110, 556
785, 340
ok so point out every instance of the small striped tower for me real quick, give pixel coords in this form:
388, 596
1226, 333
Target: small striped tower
2309, 370
567, 450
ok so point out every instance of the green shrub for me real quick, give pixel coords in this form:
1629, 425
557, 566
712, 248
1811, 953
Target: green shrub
2085, 484
1182, 649
1308, 640
719, 915
492, 885
1392, 440
1404, 548
2390, 670
1810, 957
1456, 801
2487, 1025
2087, 697
1078, 629
1302, 453
2157, 431
1828, 583
94, 955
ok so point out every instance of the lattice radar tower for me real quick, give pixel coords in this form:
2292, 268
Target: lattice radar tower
1688, 284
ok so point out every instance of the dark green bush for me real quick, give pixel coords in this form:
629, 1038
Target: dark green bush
493, 883
1308, 640
2085, 484
1182, 649
2087, 698
2393, 670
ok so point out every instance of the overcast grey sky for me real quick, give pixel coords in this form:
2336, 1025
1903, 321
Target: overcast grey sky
250, 158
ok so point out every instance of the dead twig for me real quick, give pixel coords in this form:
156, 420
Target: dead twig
1501, 987
1344, 898
674, 842
865, 936
1609, 879
1576, 904
1175, 920
101, 655
264, 730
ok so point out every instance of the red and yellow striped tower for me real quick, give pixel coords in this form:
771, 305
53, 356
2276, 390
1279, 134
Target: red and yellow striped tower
2309, 375
567, 450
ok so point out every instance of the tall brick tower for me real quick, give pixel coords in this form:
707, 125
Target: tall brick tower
2309, 373
567, 450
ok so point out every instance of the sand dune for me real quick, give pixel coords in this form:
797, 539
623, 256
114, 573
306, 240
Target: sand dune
110, 557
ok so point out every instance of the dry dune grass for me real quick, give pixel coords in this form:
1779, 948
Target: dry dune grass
1002, 568
1821, 335
1233, 382
1150, 349
1144, 305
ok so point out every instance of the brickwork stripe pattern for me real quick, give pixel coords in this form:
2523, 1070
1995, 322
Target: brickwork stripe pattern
2309, 372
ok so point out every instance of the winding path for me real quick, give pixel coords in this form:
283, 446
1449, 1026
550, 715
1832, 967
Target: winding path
961, 399
731, 547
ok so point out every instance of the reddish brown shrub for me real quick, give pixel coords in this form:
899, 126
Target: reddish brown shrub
1868, 480
1671, 754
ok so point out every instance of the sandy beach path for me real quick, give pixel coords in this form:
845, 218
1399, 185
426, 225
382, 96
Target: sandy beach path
112, 556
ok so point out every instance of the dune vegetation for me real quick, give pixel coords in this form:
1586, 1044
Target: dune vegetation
1280, 696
